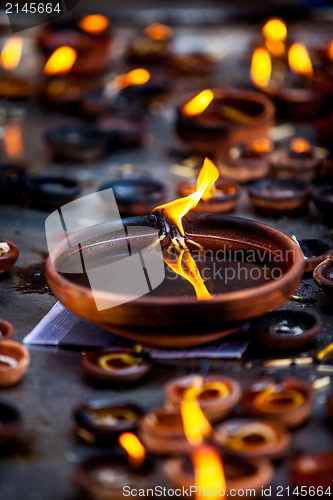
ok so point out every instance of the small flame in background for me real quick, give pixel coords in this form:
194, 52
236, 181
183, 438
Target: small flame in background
138, 76
199, 103
11, 53
158, 31
300, 145
135, 450
12, 139
261, 67
262, 146
330, 50
299, 60
61, 61
275, 29
94, 24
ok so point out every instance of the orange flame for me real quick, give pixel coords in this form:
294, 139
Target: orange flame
275, 29
186, 267
13, 140
11, 53
175, 210
196, 426
138, 76
330, 50
300, 145
135, 450
158, 31
94, 24
61, 61
299, 59
199, 103
261, 67
262, 146
209, 473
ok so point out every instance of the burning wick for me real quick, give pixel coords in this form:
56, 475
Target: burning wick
11, 54
299, 60
61, 61
138, 76
94, 24
135, 450
199, 103
261, 67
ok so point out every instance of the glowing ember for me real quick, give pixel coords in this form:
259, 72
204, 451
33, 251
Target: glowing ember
158, 31
275, 29
13, 139
300, 145
262, 146
94, 24
261, 67
209, 473
330, 50
299, 60
138, 76
199, 103
135, 450
11, 53
61, 61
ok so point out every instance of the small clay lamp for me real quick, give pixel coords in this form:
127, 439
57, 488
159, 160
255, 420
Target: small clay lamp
102, 421
11, 183
329, 405
64, 92
77, 143
14, 362
10, 422
240, 473
314, 470
223, 198
286, 329
114, 364
8, 255
299, 161
323, 275
246, 163
13, 87
216, 395
50, 191
280, 196
314, 251
250, 438
213, 121
136, 196
323, 199
6, 330
193, 64
123, 131
289, 401
150, 46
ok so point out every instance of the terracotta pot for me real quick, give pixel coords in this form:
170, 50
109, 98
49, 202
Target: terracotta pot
10, 422
284, 165
14, 362
323, 275
314, 251
298, 103
8, 260
313, 470
14, 88
217, 395
6, 330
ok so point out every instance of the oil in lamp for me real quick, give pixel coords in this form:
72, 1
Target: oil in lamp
299, 161
314, 251
6, 329
314, 470
323, 275
247, 162
323, 199
12, 86
151, 46
286, 329
217, 395
106, 476
113, 364
8, 255
102, 421
289, 401
10, 422
213, 121
253, 438
14, 362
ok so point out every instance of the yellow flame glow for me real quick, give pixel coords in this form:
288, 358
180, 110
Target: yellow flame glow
209, 473
158, 31
13, 139
134, 448
11, 53
196, 426
300, 145
94, 24
299, 59
330, 50
61, 61
199, 103
261, 67
275, 29
138, 76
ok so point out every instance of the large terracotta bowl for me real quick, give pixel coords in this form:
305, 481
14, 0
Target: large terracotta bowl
179, 321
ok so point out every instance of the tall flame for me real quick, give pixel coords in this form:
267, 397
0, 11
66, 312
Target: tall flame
196, 426
158, 31
261, 67
209, 473
11, 53
61, 61
94, 24
138, 76
186, 267
135, 450
299, 59
275, 29
199, 103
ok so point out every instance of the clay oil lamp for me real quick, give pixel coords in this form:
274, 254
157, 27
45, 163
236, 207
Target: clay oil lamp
194, 311
221, 199
323, 199
124, 131
10, 422
251, 438
299, 161
14, 362
314, 470
329, 405
323, 275
151, 46
314, 251
101, 422
13, 87
110, 476
276, 197
8, 255
6, 330
136, 196
286, 329
48, 191
113, 364
193, 64
213, 121
11, 183
289, 401
217, 395
245, 163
